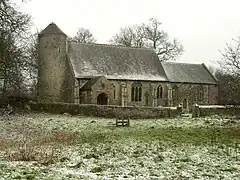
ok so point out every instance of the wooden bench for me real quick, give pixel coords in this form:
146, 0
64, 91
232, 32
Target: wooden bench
122, 122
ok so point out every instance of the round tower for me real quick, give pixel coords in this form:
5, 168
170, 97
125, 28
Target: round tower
52, 64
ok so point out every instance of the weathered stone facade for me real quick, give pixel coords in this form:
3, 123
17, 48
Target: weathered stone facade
189, 94
56, 80
61, 76
173, 94
120, 93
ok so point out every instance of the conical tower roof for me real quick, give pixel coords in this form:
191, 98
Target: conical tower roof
52, 28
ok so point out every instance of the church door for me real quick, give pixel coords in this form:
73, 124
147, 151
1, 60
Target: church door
102, 99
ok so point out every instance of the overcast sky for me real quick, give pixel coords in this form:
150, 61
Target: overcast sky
203, 26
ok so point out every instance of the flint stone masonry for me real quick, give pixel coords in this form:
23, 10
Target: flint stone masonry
107, 111
201, 111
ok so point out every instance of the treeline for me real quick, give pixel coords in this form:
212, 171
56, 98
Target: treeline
229, 74
229, 88
15, 63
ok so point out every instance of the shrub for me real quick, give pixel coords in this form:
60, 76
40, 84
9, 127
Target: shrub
34, 153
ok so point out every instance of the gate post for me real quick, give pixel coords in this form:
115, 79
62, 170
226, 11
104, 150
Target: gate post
195, 111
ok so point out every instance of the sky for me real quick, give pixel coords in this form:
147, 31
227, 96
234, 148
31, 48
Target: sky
202, 26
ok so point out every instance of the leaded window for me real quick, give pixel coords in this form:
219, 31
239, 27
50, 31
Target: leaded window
136, 92
159, 92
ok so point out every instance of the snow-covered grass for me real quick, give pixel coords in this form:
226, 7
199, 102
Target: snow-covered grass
47, 146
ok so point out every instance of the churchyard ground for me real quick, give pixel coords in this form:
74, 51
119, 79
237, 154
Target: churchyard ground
48, 146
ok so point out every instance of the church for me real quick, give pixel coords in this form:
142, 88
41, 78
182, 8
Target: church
103, 74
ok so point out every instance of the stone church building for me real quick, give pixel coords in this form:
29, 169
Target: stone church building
115, 75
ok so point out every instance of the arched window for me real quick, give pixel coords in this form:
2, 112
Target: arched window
175, 92
114, 92
200, 93
159, 92
136, 92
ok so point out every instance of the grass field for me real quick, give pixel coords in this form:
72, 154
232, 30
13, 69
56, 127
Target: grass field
47, 146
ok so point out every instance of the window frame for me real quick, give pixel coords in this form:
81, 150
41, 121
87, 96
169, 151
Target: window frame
136, 92
159, 92
114, 92
200, 93
175, 89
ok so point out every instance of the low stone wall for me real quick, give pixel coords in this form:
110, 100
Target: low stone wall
201, 111
107, 111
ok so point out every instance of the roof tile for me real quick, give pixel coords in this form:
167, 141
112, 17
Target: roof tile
188, 73
115, 62
52, 28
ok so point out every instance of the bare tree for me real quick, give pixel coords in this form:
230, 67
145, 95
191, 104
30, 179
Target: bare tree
33, 55
229, 88
125, 37
212, 69
151, 36
230, 61
14, 26
159, 40
130, 37
169, 50
229, 75
84, 36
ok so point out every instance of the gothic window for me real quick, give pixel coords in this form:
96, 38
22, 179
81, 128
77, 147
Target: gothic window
159, 92
200, 93
175, 92
114, 92
136, 93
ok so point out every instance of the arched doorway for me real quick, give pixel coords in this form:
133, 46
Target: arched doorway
102, 99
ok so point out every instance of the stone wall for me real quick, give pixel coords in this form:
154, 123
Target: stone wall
68, 90
213, 94
107, 111
201, 111
171, 96
191, 93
